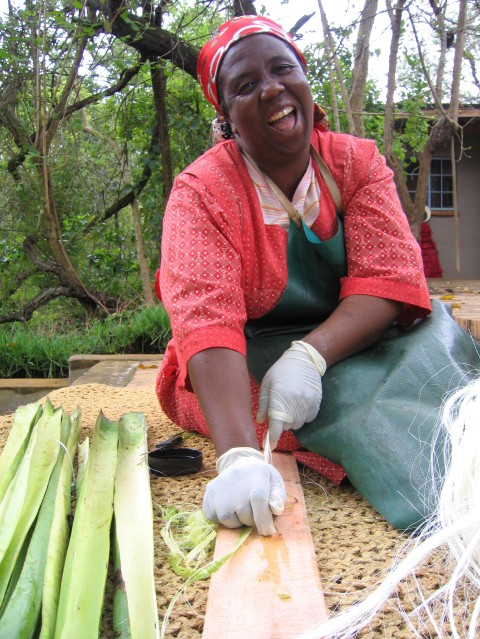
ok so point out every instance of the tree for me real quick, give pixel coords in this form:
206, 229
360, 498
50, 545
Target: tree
53, 78
126, 177
62, 45
445, 125
448, 25
131, 67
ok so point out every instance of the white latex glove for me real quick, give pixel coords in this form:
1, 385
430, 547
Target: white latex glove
247, 491
291, 391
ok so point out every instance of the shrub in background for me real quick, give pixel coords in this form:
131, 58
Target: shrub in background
30, 351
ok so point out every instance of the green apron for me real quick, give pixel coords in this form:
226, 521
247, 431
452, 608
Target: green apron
310, 296
380, 407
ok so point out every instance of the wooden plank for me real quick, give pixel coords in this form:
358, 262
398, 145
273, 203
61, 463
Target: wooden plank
463, 297
145, 374
112, 372
79, 364
465, 310
28, 384
441, 285
15, 392
121, 372
472, 326
270, 588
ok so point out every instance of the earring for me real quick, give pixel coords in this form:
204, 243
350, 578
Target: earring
220, 130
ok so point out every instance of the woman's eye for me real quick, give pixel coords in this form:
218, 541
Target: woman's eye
283, 68
245, 87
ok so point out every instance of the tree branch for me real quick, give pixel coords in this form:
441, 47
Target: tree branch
150, 40
134, 192
124, 80
244, 8
360, 67
10, 121
25, 141
471, 61
153, 153
58, 112
89, 299
35, 303
433, 91
330, 48
44, 265
457, 65
299, 24
395, 15
15, 282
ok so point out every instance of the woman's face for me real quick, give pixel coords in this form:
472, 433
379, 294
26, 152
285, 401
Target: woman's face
267, 100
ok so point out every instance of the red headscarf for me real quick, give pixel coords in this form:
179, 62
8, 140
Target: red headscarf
228, 34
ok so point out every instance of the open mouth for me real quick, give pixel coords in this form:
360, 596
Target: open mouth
283, 120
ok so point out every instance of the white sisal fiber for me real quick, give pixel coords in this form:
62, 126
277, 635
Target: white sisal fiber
454, 529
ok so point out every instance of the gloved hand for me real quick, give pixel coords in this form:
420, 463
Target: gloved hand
291, 391
247, 491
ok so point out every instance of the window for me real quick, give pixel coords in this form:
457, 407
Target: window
440, 184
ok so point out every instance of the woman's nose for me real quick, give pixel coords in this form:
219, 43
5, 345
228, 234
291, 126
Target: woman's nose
271, 87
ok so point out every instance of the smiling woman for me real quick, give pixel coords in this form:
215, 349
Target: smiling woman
296, 295
268, 102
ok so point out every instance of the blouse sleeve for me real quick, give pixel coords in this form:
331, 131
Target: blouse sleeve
200, 273
384, 258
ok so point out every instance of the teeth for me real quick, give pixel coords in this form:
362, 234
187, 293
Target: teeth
281, 114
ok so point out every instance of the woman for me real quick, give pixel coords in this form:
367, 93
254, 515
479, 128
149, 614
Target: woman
293, 297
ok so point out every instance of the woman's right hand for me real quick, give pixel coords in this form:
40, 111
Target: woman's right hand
247, 491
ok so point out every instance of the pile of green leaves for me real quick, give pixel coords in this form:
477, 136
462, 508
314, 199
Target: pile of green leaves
32, 351
53, 576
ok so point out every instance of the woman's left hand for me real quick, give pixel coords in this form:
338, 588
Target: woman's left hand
291, 391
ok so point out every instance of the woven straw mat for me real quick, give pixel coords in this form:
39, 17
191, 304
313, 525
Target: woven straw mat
354, 545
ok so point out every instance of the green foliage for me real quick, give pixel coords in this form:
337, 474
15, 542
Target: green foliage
318, 75
411, 137
190, 119
318, 68
29, 351
87, 169
410, 134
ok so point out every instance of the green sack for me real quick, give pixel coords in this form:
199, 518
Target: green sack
380, 408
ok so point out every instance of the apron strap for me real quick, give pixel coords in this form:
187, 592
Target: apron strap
329, 180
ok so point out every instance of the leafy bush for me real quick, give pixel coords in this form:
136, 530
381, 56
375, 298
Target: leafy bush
30, 352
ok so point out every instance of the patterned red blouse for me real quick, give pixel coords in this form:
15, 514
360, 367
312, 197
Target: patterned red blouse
221, 264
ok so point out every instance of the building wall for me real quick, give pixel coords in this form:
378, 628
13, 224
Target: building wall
443, 228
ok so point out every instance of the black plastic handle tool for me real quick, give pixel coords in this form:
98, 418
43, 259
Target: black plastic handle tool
168, 461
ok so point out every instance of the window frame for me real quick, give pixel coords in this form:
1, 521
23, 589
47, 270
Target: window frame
443, 175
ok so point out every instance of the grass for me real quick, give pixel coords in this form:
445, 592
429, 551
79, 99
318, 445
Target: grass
30, 351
